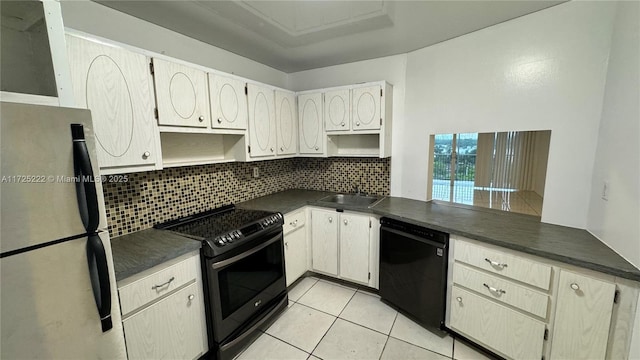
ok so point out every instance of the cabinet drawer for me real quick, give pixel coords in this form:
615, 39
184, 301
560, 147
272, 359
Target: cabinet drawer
173, 328
505, 264
293, 221
501, 329
157, 285
501, 290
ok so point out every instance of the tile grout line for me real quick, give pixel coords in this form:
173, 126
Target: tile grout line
304, 293
388, 336
333, 323
422, 347
277, 338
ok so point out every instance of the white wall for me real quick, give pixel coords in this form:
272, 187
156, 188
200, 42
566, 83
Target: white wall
542, 71
615, 221
391, 69
96, 19
617, 158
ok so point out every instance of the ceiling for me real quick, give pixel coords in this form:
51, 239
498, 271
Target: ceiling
299, 35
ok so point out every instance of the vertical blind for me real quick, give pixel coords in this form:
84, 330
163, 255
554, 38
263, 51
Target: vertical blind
507, 160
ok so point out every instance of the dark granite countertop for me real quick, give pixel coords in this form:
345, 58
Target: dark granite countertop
142, 250
284, 201
514, 231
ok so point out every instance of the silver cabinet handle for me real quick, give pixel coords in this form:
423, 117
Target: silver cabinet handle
495, 263
191, 297
286, 245
146, 155
459, 299
330, 219
575, 286
342, 124
317, 148
281, 148
271, 149
492, 289
345, 221
201, 118
358, 123
163, 284
219, 121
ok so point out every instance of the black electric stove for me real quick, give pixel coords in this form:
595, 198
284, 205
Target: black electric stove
242, 259
225, 228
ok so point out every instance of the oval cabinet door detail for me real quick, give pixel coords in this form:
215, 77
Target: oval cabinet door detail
228, 102
337, 114
286, 123
262, 121
310, 115
181, 92
115, 85
366, 108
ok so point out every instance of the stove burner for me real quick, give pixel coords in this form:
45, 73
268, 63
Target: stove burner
219, 228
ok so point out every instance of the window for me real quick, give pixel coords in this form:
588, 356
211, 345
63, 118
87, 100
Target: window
504, 170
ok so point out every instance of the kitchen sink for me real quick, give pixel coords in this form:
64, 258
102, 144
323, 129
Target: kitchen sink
349, 199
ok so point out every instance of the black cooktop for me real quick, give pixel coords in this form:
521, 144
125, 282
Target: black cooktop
225, 227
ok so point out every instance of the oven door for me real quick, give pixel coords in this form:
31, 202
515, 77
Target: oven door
241, 285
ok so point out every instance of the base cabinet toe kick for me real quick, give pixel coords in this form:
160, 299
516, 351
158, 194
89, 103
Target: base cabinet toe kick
519, 306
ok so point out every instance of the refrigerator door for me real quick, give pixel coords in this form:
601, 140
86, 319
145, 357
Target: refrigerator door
38, 196
48, 309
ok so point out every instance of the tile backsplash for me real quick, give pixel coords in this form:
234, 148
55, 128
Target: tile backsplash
148, 198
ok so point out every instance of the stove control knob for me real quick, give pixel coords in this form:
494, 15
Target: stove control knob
236, 234
228, 238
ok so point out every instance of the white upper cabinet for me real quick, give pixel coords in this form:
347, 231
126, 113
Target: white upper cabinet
228, 102
181, 92
337, 113
311, 131
115, 85
286, 123
262, 121
366, 108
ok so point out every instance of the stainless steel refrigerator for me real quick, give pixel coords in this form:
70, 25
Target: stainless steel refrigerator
58, 297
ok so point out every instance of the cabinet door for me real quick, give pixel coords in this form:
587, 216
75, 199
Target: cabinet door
295, 254
337, 114
583, 316
365, 108
228, 102
354, 248
506, 331
324, 241
287, 123
262, 121
173, 328
181, 93
311, 132
115, 85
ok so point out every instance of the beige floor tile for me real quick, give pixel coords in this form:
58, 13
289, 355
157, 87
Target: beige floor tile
327, 297
368, 311
407, 330
301, 326
400, 350
267, 347
349, 341
462, 351
302, 287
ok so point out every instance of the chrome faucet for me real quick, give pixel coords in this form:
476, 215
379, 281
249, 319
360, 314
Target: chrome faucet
356, 190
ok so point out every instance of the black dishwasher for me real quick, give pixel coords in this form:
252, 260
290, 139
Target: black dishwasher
413, 270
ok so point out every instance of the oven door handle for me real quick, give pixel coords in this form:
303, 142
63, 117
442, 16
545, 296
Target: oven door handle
223, 263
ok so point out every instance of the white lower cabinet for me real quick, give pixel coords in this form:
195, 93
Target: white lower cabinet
504, 330
583, 317
163, 311
168, 329
295, 246
342, 246
522, 307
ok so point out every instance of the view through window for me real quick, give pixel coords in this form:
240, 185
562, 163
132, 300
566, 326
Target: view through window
504, 170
